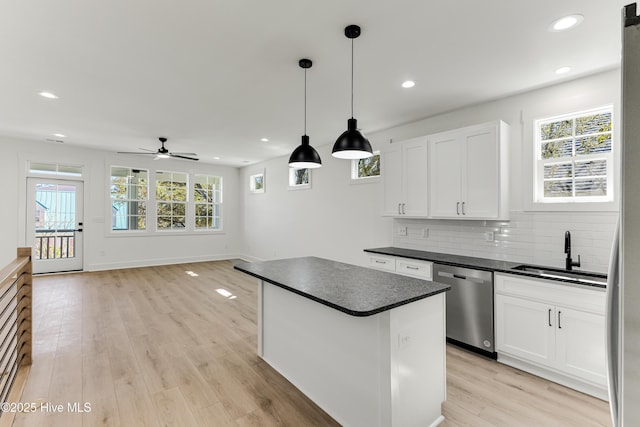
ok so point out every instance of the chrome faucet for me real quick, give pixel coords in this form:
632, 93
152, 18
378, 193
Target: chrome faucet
567, 250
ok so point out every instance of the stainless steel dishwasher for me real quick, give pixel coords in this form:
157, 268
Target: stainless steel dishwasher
469, 307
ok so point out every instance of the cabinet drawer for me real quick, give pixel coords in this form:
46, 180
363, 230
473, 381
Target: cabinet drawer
415, 268
553, 292
382, 262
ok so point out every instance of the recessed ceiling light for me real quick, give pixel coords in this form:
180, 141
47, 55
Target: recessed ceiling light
563, 70
408, 84
264, 139
59, 135
216, 158
566, 22
48, 95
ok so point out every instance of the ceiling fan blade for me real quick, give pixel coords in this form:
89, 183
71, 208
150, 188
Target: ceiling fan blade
134, 152
147, 149
184, 154
183, 157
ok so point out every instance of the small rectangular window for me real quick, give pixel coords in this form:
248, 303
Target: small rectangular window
299, 179
171, 198
55, 169
574, 157
366, 168
129, 195
207, 195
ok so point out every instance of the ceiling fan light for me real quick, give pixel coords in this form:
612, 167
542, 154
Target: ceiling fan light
305, 156
352, 144
163, 156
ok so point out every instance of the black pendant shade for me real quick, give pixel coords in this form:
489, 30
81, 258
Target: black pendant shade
352, 144
305, 156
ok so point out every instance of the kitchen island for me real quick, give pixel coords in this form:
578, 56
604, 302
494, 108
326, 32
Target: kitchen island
367, 346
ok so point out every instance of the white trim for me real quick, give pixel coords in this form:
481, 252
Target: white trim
299, 186
529, 160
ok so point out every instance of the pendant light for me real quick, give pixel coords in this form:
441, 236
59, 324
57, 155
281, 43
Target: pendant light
352, 144
305, 156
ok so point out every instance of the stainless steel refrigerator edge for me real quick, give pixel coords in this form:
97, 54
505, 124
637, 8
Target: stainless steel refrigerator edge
623, 317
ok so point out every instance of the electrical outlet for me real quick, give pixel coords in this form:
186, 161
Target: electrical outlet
489, 236
402, 230
425, 233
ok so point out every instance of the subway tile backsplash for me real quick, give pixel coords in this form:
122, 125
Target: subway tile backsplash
529, 237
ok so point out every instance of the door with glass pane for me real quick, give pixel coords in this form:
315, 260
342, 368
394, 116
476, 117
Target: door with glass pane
54, 224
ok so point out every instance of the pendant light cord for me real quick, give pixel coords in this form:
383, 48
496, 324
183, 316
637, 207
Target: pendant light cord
305, 101
352, 78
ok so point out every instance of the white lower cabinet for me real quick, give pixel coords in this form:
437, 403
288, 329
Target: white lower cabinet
553, 330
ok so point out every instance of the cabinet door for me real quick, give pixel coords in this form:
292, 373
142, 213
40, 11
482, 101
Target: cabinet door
391, 164
416, 175
525, 329
445, 166
580, 341
481, 174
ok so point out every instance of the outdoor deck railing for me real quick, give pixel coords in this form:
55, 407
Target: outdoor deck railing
55, 244
15, 330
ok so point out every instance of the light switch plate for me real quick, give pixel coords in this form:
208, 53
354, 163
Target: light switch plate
402, 230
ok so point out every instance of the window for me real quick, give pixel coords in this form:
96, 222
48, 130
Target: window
55, 169
299, 179
574, 159
366, 168
171, 197
129, 195
207, 194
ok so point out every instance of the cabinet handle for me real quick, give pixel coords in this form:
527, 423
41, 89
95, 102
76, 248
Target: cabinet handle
457, 208
412, 268
403, 212
463, 209
381, 262
399, 211
550, 318
559, 325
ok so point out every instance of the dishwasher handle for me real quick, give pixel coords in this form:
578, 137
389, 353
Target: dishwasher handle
460, 277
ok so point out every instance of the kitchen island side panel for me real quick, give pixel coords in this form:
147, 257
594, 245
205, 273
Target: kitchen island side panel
381, 370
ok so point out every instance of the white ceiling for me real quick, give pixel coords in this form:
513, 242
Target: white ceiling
216, 76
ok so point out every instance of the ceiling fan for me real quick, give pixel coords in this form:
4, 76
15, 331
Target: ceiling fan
163, 153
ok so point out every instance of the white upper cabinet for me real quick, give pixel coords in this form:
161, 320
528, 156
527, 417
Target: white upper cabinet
468, 172
405, 178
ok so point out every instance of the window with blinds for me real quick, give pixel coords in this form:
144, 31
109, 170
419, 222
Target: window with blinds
574, 157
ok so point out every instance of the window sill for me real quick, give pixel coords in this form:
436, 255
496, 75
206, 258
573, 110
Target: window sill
173, 233
370, 180
574, 207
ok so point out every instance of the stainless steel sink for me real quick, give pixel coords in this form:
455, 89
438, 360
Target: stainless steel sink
556, 273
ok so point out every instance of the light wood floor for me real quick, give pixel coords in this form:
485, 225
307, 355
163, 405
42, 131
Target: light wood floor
160, 346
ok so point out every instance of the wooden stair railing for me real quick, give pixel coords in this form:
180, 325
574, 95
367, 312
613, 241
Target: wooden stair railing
15, 332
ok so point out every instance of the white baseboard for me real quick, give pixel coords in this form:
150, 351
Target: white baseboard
159, 261
167, 261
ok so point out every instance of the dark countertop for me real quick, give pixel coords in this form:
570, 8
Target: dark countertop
476, 263
354, 290
448, 259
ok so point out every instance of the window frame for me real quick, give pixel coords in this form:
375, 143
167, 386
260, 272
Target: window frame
146, 200
539, 163
355, 179
304, 186
219, 204
171, 202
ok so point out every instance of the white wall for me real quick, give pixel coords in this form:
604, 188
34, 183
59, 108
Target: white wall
336, 220
333, 219
103, 250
